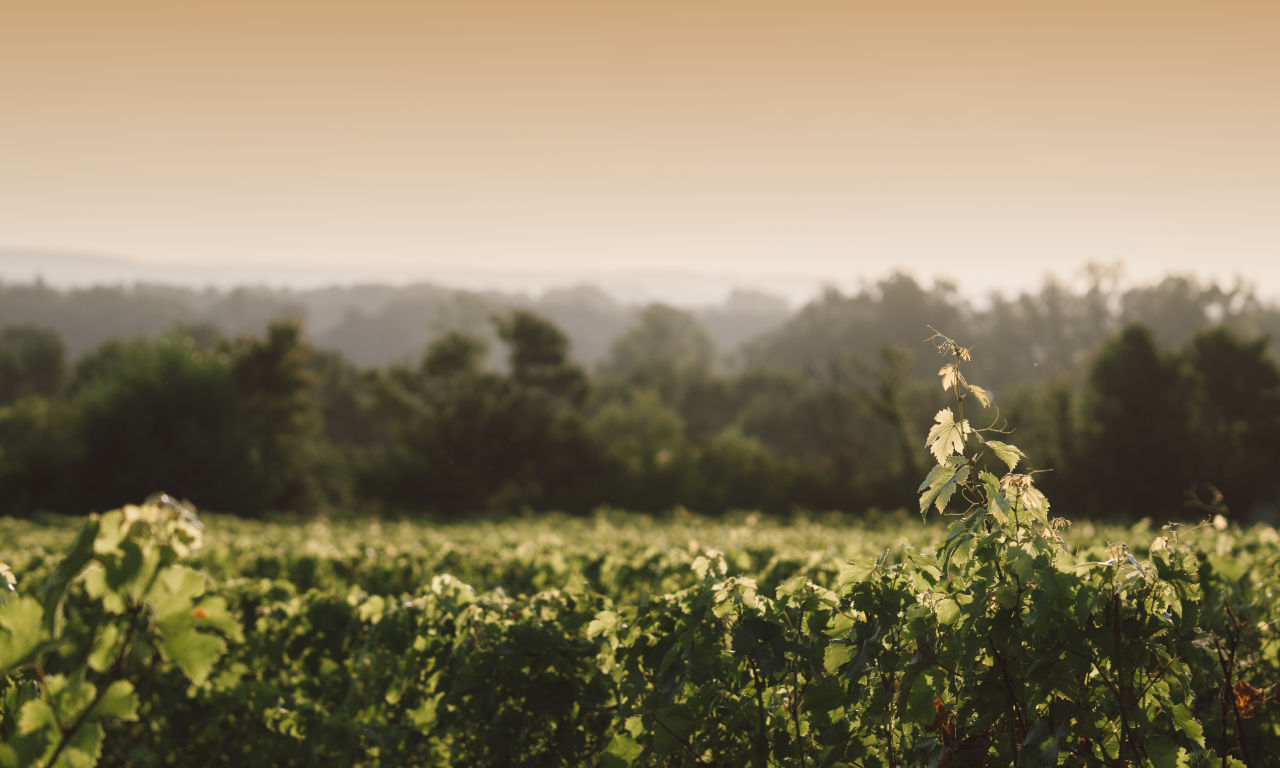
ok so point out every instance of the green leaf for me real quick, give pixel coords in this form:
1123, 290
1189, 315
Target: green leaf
1187, 723
55, 587
854, 571
941, 484
1161, 749
118, 701
176, 590
948, 610
605, 622
835, 656
178, 618
212, 613
21, 632
424, 715
194, 652
104, 647
1034, 501
43, 731
918, 702
622, 751
675, 724
1009, 454
946, 437
84, 747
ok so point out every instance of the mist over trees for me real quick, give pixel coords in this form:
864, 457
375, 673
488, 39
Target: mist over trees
371, 325
423, 400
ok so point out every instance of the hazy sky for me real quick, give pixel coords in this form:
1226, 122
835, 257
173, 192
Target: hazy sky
752, 139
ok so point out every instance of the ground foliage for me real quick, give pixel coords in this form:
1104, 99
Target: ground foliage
995, 635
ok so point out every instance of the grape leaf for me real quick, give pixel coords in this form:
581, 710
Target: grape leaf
941, 483
983, 395
1009, 454
21, 632
1187, 723
951, 376
947, 435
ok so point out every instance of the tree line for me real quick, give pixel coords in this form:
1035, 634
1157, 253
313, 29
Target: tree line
1167, 397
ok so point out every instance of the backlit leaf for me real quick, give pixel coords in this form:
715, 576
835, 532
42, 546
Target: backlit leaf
1009, 454
983, 395
946, 437
941, 483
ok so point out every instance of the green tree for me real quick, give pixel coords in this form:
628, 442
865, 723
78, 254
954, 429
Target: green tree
38, 451
737, 472
1136, 429
32, 362
461, 439
1235, 388
665, 351
645, 441
538, 356
1050, 426
434, 426
275, 376
160, 415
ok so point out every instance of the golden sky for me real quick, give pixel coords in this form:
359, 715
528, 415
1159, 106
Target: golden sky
747, 138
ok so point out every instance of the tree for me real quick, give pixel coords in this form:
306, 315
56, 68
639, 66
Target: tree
538, 356
154, 415
664, 351
645, 442
32, 362
278, 385
38, 452
1235, 391
1137, 442
461, 439
736, 472
454, 355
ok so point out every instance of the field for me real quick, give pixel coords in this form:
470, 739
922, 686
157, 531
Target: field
620, 639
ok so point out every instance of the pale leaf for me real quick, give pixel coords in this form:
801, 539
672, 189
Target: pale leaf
1009, 454
950, 376
983, 395
946, 437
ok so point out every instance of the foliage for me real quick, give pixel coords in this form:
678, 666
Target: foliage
621, 641
1156, 401
119, 607
1137, 427
664, 351
32, 362
277, 382
137, 430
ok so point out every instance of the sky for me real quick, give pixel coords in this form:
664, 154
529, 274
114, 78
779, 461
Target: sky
758, 142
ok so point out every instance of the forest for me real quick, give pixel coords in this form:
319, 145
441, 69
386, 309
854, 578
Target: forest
453, 405
396, 602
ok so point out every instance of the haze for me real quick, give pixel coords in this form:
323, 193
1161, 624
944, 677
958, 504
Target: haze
757, 142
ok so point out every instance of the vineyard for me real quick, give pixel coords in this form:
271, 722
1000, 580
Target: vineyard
991, 634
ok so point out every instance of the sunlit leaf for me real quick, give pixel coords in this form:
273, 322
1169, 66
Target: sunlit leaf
951, 376
942, 482
1009, 454
946, 437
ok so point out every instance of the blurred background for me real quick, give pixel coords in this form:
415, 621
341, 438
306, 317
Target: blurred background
488, 257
